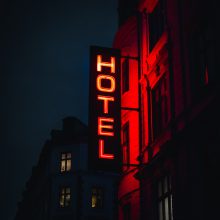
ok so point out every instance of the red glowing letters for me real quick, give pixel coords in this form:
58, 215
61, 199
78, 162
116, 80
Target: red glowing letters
101, 151
105, 83
101, 126
101, 88
106, 99
106, 64
105, 109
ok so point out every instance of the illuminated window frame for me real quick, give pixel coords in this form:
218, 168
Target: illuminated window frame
97, 197
165, 199
65, 162
65, 197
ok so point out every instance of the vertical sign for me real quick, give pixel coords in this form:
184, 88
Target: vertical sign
104, 109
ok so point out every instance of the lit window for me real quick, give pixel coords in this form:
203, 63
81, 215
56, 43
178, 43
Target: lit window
160, 98
156, 24
165, 209
125, 145
125, 76
65, 164
97, 197
65, 197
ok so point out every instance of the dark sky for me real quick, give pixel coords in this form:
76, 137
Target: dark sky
44, 77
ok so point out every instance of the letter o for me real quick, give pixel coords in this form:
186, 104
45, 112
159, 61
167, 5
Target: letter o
105, 77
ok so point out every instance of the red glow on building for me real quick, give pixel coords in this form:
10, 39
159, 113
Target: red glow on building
169, 95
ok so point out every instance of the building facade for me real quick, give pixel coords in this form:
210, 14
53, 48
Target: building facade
170, 109
62, 186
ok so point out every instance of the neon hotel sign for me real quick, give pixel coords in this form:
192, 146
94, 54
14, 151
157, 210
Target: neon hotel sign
104, 111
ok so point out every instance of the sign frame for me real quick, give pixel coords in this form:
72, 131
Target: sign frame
105, 109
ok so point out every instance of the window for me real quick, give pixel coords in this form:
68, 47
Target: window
125, 76
165, 209
65, 197
127, 211
156, 22
202, 60
65, 164
199, 64
97, 197
160, 106
125, 144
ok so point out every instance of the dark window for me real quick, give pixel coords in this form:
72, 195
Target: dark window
65, 197
97, 197
202, 61
160, 106
127, 212
125, 144
164, 195
156, 24
125, 76
65, 163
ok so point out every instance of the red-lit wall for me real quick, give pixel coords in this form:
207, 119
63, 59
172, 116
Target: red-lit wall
126, 41
172, 150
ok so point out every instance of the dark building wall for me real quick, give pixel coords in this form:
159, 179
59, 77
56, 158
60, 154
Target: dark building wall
64, 190
126, 8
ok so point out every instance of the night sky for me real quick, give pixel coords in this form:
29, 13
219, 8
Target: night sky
44, 77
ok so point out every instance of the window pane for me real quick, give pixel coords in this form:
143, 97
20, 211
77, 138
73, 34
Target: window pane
97, 198
68, 190
62, 201
65, 197
63, 191
94, 201
169, 183
63, 156
68, 165
165, 184
68, 155
160, 189
171, 207
160, 210
166, 209
67, 200
63, 166
156, 24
